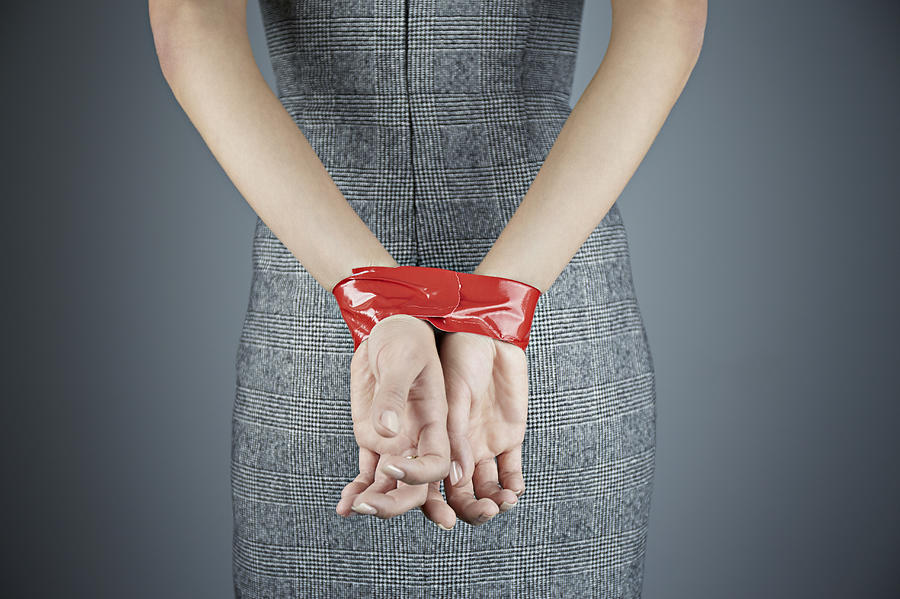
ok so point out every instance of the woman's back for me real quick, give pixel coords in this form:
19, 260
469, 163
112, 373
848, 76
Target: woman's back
427, 104
433, 118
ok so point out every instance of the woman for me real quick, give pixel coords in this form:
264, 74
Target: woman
415, 133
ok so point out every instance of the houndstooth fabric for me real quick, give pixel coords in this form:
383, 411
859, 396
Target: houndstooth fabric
433, 117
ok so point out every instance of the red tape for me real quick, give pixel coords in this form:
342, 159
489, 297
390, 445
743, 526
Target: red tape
452, 301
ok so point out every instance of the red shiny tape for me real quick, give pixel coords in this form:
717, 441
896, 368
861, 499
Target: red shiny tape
452, 301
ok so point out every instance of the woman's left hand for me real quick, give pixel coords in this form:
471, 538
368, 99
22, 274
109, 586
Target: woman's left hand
399, 410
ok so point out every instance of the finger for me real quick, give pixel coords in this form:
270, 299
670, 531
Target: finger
487, 485
436, 509
367, 462
349, 494
428, 408
416, 471
396, 365
459, 401
509, 464
421, 469
380, 484
393, 503
469, 509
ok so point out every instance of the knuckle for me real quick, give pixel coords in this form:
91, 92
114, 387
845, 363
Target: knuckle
510, 472
440, 468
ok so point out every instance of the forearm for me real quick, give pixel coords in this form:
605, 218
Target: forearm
654, 45
206, 58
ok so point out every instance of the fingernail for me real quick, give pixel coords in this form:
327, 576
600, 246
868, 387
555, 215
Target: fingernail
390, 421
442, 527
363, 508
455, 472
484, 518
506, 505
519, 492
394, 471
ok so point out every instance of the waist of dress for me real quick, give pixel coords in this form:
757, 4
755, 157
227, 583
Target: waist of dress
392, 108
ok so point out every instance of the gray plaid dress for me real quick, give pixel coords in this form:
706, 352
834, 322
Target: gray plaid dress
433, 117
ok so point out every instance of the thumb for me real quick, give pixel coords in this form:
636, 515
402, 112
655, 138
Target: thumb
395, 371
396, 359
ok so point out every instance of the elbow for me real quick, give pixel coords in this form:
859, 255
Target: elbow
688, 18
178, 25
691, 13
684, 21
692, 17
167, 23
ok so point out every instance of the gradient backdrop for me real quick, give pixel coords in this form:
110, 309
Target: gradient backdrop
764, 236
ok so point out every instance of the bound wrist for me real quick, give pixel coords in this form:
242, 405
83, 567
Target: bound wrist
384, 260
516, 274
451, 301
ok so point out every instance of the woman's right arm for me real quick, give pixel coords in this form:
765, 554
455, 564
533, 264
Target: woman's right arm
206, 58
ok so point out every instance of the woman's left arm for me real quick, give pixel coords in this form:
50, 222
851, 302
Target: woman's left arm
653, 47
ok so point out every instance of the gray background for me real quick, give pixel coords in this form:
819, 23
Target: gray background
763, 230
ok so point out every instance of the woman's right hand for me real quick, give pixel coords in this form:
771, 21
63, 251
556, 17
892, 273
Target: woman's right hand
399, 410
487, 398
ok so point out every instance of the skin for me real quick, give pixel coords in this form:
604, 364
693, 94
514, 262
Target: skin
388, 483
487, 398
206, 59
654, 45
487, 401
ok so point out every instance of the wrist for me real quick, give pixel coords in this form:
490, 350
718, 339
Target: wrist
346, 269
519, 272
451, 301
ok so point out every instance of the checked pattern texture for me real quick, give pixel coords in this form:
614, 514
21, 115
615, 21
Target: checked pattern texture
433, 117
